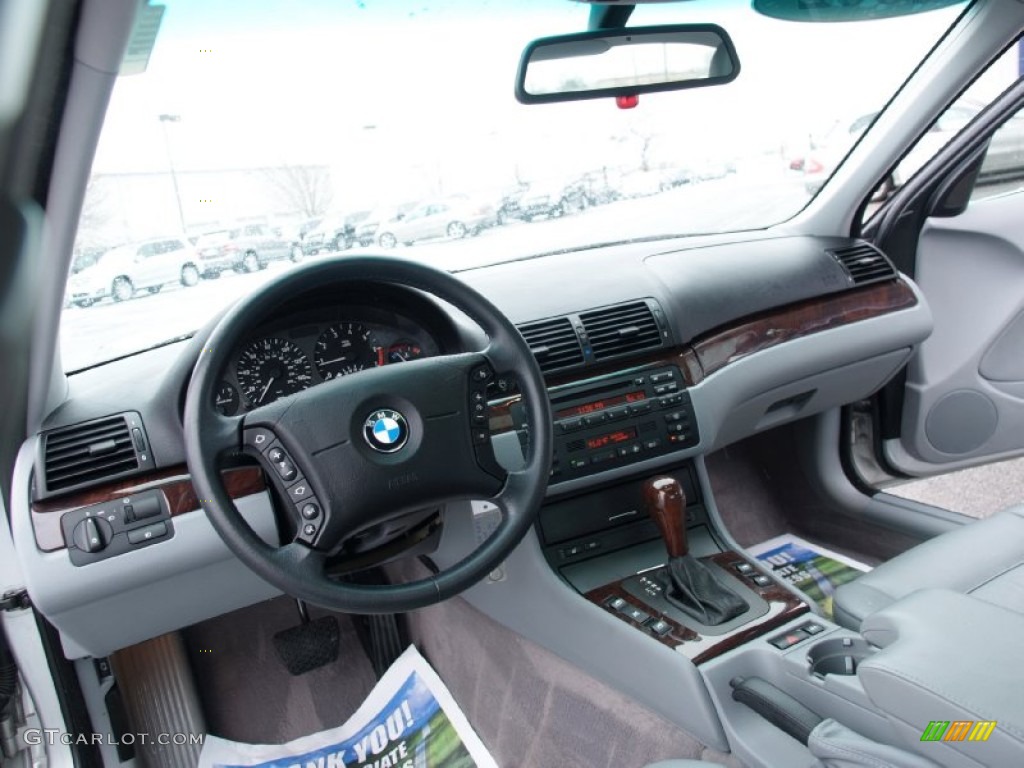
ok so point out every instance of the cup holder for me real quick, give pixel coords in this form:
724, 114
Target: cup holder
838, 656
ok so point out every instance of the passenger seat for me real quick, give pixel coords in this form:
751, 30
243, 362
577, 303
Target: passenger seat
984, 559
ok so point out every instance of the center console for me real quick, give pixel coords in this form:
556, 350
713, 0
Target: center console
606, 545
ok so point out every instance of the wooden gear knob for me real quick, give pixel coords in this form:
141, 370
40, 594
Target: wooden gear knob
666, 504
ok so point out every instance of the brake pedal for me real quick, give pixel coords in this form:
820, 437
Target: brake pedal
310, 645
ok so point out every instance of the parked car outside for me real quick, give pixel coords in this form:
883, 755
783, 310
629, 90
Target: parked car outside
1003, 160
543, 200
336, 232
366, 230
640, 183
245, 249
121, 272
452, 218
509, 205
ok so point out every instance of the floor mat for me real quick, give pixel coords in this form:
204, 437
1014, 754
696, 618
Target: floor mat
248, 695
810, 568
530, 708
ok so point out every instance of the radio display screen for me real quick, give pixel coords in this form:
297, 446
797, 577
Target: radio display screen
619, 436
600, 405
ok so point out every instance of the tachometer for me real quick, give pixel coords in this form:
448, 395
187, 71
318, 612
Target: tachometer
271, 368
345, 348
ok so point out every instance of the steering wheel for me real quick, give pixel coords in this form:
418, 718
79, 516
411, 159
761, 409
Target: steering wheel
372, 445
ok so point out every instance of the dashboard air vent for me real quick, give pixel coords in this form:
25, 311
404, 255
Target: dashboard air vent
864, 263
621, 329
87, 453
553, 343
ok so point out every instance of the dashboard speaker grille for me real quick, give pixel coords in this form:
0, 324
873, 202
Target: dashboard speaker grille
553, 342
621, 329
864, 263
86, 453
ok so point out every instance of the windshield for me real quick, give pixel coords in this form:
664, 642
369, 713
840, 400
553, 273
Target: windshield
287, 118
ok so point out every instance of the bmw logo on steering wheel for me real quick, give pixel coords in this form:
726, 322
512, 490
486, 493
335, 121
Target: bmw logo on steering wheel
386, 431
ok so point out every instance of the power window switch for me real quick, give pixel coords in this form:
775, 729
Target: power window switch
616, 603
634, 613
659, 627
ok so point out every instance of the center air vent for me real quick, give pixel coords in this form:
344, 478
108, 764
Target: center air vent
621, 329
553, 343
87, 453
864, 263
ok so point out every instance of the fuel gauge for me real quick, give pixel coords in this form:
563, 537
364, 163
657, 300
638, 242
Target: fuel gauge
404, 351
226, 400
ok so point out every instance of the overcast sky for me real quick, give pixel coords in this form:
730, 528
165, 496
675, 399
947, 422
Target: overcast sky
383, 88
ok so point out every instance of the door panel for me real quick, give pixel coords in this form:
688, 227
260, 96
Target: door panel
965, 387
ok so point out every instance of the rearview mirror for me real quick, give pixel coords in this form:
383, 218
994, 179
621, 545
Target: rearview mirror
628, 61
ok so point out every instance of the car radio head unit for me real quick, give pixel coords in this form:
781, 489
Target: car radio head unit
619, 421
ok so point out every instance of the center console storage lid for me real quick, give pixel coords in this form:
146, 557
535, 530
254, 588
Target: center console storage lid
949, 657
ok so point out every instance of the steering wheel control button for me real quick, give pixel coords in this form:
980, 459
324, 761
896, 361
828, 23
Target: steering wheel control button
310, 511
286, 470
147, 533
309, 529
300, 491
276, 455
482, 374
259, 438
386, 431
92, 534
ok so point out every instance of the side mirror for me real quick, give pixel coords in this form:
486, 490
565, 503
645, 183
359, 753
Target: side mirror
625, 62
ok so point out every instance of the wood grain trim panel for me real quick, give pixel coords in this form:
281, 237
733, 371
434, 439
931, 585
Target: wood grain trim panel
174, 482
769, 329
685, 640
717, 349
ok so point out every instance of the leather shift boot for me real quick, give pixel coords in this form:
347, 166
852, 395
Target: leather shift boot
693, 589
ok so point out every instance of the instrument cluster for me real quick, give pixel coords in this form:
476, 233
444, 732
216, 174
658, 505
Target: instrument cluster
301, 352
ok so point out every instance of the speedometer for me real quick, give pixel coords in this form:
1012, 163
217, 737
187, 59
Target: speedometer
271, 368
346, 348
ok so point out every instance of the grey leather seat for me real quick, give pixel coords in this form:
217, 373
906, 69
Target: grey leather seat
684, 764
983, 559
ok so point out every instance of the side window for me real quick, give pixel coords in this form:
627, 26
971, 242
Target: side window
146, 250
1003, 167
173, 245
1004, 161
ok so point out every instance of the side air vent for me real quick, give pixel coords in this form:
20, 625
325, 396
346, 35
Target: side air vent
621, 329
93, 451
553, 343
864, 263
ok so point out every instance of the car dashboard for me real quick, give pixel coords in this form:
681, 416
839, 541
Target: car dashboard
667, 351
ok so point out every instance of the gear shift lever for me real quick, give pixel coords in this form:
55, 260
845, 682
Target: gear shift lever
666, 503
690, 586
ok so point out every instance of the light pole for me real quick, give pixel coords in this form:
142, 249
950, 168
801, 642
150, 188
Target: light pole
164, 119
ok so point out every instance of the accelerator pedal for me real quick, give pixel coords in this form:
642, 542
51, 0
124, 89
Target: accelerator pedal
383, 639
310, 645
